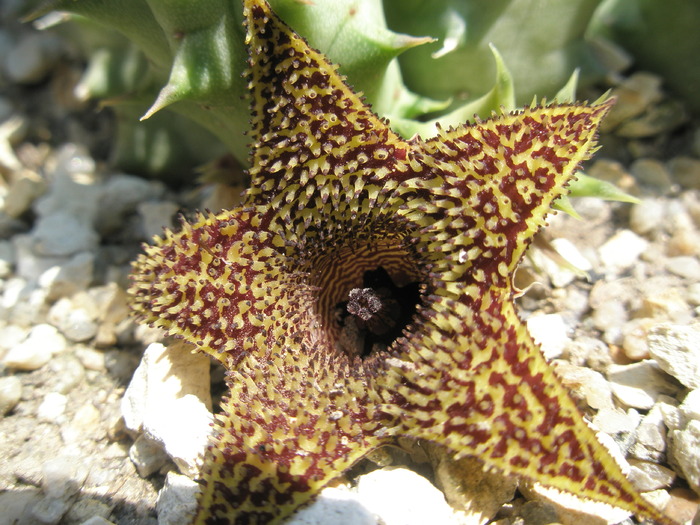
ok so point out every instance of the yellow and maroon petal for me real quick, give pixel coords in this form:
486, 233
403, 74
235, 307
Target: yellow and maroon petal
293, 421
479, 385
218, 283
310, 129
491, 184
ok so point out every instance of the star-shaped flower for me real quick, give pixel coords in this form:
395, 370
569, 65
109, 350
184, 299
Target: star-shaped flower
364, 292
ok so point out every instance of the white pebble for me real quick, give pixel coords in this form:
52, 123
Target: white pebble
635, 334
29, 265
610, 317
616, 421
684, 266
693, 294
622, 250
686, 452
402, 497
74, 189
12, 335
337, 505
48, 511
10, 393
52, 407
587, 383
172, 380
665, 304
43, 342
647, 216
15, 505
550, 332
90, 358
690, 408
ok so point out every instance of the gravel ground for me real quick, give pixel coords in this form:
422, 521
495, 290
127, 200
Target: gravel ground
624, 336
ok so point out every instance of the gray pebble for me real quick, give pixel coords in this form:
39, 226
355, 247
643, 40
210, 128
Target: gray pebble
48, 511
686, 452
658, 119
651, 172
7, 258
634, 96
650, 437
640, 384
647, 476
120, 364
121, 196
147, 456
63, 234
686, 171
75, 189
69, 278
538, 513
88, 510
6, 106
177, 500
97, 520
16, 505
31, 59
677, 351
63, 476
67, 371
75, 320
155, 216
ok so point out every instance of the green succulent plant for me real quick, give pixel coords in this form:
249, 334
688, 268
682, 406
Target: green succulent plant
160, 54
661, 36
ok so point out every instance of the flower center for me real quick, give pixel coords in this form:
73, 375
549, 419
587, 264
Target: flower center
374, 315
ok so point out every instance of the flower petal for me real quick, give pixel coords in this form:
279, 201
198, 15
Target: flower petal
292, 422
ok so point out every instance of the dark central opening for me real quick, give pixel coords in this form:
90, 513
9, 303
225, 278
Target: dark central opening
375, 314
